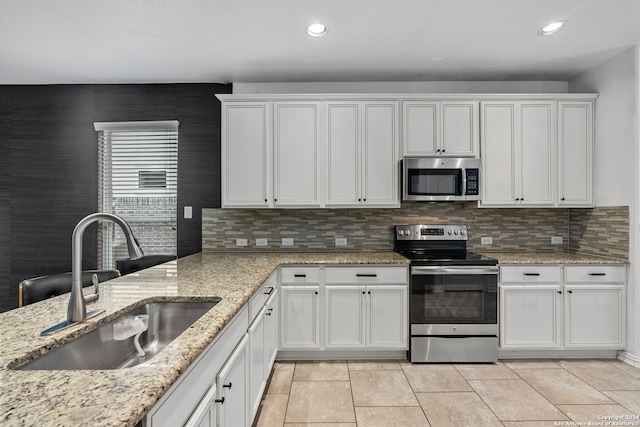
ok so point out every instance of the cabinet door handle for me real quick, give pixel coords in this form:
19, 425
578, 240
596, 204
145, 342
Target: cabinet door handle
570, 292
316, 292
363, 292
531, 274
560, 292
227, 386
597, 274
220, 401
366, 275
562, 200
270, 290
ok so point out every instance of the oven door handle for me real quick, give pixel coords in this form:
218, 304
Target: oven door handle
433, 270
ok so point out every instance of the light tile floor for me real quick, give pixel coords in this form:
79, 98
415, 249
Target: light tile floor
511, 393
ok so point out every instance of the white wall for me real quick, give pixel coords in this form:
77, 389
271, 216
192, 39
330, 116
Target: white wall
404, 87
617, 161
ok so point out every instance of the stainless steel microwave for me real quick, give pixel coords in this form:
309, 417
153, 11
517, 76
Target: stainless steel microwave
441, 179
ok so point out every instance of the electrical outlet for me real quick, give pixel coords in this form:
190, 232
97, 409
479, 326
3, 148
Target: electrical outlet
486, 240
188, 212
287, 241
341, 241
241, 242
262, 242
556, 240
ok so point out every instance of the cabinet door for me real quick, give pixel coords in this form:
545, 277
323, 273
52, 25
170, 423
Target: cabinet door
296, 154
232, 388
594, 316
460, 132
575, 154
380, 155
299, 310
246, 164
257, 361
530, 316
387, 317
420, 127
498, 153
343, 168
536, 158
271, 329
205, 413
344, 316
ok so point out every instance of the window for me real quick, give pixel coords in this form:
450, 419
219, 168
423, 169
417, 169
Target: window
138, 181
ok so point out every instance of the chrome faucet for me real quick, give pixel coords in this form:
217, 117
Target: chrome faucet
77, 309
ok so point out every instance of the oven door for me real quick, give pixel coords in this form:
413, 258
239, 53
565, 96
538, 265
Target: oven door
452, 300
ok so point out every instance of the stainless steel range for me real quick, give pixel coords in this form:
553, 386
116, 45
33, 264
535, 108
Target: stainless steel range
453, 305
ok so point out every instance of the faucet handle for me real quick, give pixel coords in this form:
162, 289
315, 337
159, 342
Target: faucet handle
96, 287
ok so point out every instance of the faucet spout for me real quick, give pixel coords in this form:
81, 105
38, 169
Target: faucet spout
77, 310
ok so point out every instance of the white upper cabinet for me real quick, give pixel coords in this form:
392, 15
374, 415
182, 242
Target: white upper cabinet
296, 146
518, 153
575, 153
343, 150
362, 154
440, 128
246, 154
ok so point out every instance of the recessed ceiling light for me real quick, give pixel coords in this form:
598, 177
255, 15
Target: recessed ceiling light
317, 29
552, 28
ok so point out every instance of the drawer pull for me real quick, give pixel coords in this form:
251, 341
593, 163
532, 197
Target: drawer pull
531, 274
220, 401
597, 274
366, 275
271, 288
570, 292
560, 292
299, 275
227, 386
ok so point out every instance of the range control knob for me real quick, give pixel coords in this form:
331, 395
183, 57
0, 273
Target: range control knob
463, 232
449, 232
456, 232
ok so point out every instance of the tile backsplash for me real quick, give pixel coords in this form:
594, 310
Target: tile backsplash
513, 230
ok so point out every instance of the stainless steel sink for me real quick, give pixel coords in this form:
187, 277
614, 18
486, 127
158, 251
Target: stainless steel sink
98, 349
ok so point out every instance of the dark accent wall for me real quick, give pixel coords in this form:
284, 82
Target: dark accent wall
48, 167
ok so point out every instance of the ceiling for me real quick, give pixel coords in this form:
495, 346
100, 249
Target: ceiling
162, 41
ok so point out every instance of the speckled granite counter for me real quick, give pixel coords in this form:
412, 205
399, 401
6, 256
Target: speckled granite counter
550, 258
123, 397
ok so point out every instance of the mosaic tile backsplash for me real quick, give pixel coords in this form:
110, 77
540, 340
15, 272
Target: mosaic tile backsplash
512, 230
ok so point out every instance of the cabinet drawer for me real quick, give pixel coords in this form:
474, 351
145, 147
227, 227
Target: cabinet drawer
366, 274
530, 274
259, 299
595, 273
300, 275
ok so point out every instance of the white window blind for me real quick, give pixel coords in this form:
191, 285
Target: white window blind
138, 180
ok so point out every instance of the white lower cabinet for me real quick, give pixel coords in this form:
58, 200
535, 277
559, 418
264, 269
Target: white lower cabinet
300, 310
584, 310
366, 316
530, 316
205, 414
263, 347
347, 308
231, 383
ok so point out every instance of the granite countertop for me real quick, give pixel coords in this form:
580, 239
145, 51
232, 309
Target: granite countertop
123, 397
506, 258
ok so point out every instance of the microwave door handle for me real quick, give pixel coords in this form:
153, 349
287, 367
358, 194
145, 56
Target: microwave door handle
464, 182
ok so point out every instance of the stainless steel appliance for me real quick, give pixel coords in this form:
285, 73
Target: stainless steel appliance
437, 179
453, 305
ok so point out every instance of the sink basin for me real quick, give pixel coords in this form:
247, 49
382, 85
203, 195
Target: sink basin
98, 349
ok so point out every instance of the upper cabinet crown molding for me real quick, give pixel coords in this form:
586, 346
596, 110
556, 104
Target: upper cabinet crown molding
404, 96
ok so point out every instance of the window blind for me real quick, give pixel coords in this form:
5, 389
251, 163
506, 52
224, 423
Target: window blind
137, 180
